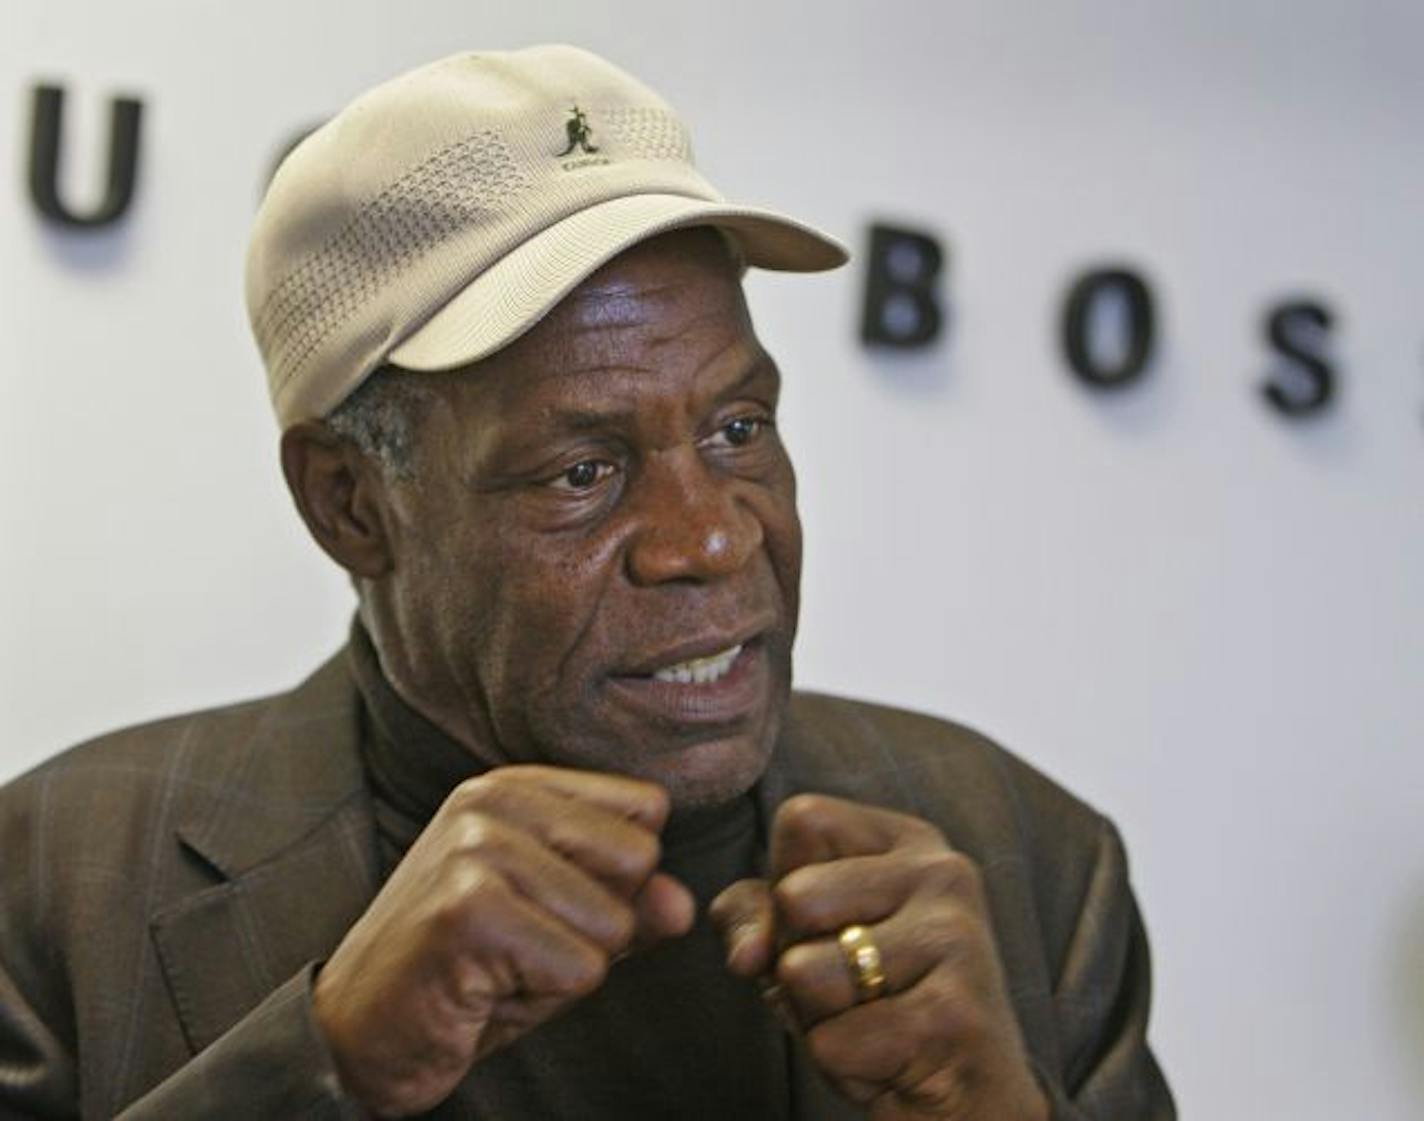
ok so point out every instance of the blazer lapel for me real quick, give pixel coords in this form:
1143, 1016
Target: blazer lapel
818, 756
290, 839
825, 752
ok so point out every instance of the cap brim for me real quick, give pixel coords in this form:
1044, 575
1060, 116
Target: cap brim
512, 295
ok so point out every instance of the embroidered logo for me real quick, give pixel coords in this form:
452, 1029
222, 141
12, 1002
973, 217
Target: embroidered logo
579, 134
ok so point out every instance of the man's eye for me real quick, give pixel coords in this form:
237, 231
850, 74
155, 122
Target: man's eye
743, 430
584, 474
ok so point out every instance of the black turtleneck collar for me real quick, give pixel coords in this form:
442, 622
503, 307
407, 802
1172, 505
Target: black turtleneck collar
413, 766
624, 1051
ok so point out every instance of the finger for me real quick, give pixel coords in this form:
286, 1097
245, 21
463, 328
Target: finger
913, 944
545, 878
814, 828
618, 850
522, 948
662, 909
644, 803
820, 983
885, 1046
823, 898
744, 916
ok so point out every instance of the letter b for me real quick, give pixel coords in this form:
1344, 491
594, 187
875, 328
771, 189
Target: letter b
900, 306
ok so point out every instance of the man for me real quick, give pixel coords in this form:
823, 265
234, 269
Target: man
552, 838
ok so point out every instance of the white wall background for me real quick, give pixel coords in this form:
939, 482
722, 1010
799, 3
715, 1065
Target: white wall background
1204, 620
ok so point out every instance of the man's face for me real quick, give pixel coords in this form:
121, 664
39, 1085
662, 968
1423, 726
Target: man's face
597, 565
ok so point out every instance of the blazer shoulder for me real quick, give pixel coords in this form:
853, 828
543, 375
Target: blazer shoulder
1040, 847
117, 777
151, 749
946, 772
148, 746
112, 794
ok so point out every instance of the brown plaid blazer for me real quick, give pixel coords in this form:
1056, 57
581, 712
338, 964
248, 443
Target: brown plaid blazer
165, 892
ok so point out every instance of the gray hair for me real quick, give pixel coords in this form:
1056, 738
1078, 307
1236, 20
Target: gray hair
381, 417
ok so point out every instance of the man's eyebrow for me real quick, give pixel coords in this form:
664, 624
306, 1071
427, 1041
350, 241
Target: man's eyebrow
588, 420
762, 366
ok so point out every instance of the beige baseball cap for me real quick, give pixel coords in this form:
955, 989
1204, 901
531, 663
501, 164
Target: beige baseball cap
441, 215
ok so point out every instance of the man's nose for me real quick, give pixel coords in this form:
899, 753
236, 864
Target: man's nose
692, 523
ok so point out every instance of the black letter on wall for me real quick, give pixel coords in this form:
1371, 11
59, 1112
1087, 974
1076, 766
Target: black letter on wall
1079, 337
1297, 331
46, 127
901, 270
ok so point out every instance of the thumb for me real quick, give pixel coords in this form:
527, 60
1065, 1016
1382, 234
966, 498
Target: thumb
745, 917
663, 908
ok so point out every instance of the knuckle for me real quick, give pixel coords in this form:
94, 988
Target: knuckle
622, 929
927, 834
801, 900
478, 885
483, 836
586, 973
950, 1010
969, 1022
804, 812
969, 869
642, 853
950, 935
659, 801
827, 1047
797, 967
635, 856
472, 891
861, 1092
951, 871
492, 788
944, 1087
942, 923
471, 790
931, 1017
787, 895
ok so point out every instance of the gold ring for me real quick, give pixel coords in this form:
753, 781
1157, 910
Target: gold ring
862, 957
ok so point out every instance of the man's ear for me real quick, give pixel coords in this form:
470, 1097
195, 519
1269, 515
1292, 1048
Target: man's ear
341, 497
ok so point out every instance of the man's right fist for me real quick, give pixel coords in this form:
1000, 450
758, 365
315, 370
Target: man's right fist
511, 905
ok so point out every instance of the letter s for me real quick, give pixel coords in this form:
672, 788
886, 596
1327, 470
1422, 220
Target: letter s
1297, 331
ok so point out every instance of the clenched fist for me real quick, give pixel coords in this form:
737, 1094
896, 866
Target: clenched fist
942, 1041
511, 905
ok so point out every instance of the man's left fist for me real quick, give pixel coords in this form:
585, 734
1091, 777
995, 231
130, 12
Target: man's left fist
940, 1040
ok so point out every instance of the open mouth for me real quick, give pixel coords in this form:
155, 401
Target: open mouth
700, 671
724, 686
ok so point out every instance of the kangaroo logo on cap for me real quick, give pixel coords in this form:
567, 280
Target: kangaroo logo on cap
578, 132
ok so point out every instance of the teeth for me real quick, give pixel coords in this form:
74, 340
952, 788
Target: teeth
700, 671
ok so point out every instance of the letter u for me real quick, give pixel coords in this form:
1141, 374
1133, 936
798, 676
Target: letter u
46, 128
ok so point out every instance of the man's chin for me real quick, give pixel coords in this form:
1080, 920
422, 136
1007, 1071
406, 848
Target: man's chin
705, 744
708, 773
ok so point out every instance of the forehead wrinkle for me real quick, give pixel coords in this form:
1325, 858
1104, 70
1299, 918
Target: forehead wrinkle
616, 305
634, 343
637, 303
617, 401
603, 349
